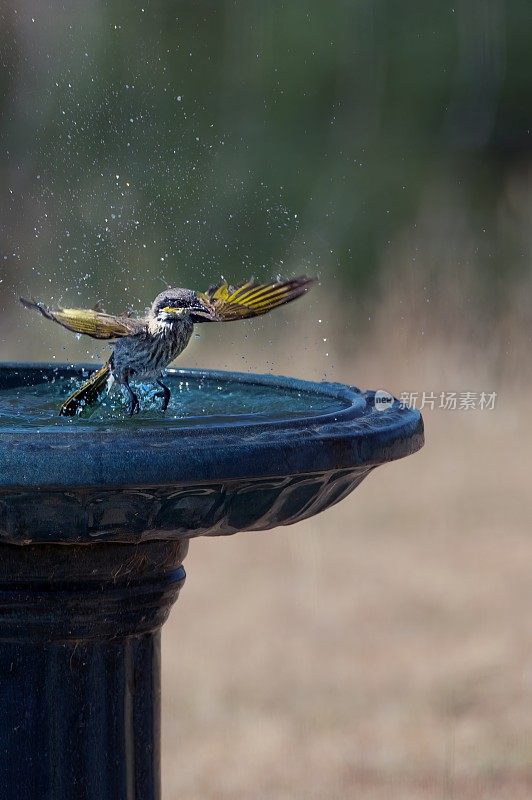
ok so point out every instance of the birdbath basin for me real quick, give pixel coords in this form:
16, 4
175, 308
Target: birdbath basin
95, 518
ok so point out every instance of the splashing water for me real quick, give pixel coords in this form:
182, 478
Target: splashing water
196, 401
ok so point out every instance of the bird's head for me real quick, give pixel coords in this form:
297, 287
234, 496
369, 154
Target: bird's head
175, 304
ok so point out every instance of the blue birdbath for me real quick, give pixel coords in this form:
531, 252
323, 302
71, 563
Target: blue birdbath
96, 513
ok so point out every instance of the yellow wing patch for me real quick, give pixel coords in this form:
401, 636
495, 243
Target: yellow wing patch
93, 323
252, 299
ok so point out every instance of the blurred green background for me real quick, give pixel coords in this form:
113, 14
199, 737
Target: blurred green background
147, 141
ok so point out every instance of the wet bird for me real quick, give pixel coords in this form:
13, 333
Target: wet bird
146, 345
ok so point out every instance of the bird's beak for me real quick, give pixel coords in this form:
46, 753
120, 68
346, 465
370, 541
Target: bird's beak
201, 311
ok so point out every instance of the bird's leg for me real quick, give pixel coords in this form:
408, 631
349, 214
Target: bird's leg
165, 394
133, 399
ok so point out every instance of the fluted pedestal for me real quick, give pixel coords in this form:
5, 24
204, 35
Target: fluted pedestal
80, 668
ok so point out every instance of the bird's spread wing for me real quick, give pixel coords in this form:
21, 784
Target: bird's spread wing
90, 322
252, 299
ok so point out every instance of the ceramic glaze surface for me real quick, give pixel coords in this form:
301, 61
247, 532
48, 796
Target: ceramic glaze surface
265, 451
95, 517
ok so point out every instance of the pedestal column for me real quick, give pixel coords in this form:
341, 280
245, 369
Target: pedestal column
80, 668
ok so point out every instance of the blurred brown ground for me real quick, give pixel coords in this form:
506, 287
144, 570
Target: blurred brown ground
384, 648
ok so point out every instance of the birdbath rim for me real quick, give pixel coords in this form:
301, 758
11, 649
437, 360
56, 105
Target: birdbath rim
350, 433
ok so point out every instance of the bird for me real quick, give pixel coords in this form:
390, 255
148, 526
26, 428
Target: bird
144, 346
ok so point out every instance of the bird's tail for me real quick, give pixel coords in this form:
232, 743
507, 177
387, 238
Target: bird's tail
87, 394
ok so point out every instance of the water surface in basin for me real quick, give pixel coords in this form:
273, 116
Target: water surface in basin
196, 400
